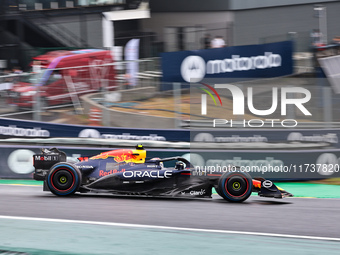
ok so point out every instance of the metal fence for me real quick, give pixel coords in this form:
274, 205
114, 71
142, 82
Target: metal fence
42, 90
298, 102
24, 5
183, 105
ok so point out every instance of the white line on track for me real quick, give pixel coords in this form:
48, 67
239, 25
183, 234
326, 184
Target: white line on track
171, 228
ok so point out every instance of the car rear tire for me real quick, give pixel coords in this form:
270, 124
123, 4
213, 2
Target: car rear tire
64, 179
235, 186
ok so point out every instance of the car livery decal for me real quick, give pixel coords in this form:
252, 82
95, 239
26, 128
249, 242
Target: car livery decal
123, 155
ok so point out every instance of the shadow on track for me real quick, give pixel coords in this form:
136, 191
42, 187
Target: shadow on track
214, 199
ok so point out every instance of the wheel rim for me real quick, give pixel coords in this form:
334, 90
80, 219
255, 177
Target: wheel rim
236, 185
62, 180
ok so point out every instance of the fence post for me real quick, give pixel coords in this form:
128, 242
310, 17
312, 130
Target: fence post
37, 106
106, 111
176, 88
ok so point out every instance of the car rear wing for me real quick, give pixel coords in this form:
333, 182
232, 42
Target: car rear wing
48, 157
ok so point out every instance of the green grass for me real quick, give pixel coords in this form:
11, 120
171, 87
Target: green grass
20, 182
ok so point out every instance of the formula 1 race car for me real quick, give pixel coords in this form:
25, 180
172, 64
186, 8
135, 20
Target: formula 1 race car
126, 171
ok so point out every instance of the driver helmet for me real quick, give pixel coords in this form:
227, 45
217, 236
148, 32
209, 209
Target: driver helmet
179, 165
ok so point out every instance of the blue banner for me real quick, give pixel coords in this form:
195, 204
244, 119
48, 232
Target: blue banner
21, 128
10, 128
31, 129
283, 136
16, 162
251, 61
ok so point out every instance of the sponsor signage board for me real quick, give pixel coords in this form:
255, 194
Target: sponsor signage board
30, 129
330, 136
17, 162
250, 61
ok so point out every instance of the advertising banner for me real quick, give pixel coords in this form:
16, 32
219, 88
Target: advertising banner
17, 162
279, 165
30, 129
252, 136
251, 61
132, 54
33, 129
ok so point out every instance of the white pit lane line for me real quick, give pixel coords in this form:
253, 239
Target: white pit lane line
140, 226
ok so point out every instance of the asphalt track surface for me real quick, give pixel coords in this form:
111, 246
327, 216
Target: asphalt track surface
290, 216
296, 216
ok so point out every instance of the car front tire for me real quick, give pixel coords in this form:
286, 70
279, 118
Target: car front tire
235, 186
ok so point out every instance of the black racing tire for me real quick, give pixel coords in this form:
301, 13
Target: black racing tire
218, 191
235, 186
64, 179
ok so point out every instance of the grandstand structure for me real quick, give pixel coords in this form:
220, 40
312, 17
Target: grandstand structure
29, 28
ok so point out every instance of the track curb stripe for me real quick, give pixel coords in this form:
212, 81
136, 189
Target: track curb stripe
171, 228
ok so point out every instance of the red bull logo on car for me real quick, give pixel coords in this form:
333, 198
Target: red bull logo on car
123, 155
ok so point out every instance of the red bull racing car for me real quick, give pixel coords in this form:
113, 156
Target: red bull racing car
126, 171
